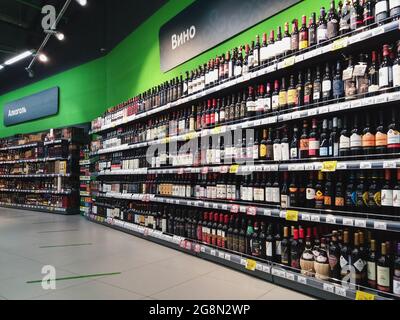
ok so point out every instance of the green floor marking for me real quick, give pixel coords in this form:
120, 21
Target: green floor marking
78, 277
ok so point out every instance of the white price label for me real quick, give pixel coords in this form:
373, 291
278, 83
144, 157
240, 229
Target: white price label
315, 218
312, 112
309, 167
348, 222
323, 110
334, 108
345, 106
389, 164
329, 287
221, 255
380, 225
267, 212
365, 165
215, 205
203, 249
360, 223
224, 207
340, 291
243, 262
330, 219
305, 217
227, 257
341, 166
302, 279
259, 267
290, 276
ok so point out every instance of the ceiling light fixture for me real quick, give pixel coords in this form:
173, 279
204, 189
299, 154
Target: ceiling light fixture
19, 57
43, 58
30, 72
60, 36
1, 67
82, 2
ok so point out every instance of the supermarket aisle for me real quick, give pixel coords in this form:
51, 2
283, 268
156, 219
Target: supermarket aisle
135, 268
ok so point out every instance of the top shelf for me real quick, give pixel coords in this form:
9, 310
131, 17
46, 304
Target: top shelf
311, 55
36, 144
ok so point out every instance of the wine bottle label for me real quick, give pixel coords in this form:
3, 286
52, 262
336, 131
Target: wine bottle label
282, 98
250, 61
387, 198
380, 139
383, 276
263, 150
259, 193
277, 152
396, 198
322, 33
275, 102
321, 259
285, 201
278, 248
268, 249
326, 87
338, 89
275, 195
310, 193
313, 147
293, 153
355, 140
286, 44
304, 144
393, 138
292, 96
371, 271
263, 54
339, 201
307, 256
384, 79
381, 7
251, 105
284, 151
327, 200
303, 44
368, 140
237, 71
256, 61
343, 262
268, 194
359, 264
396, 74
332, 28
344, 142
307, 93
323, 152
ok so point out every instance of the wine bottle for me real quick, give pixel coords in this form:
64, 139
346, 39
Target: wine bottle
371, 265
312, 31
334, 257
322, 29
383, 270
333, 22
396, 272
381, 10
285, 247
385, 69
303, 34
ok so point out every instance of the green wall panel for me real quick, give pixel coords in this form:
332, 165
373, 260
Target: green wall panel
130, 68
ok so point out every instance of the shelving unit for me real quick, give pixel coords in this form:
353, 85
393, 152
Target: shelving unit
32, 164
269, 271
85, 180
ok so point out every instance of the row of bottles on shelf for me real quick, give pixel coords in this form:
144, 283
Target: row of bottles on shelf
367, 259
52, 184
51, 167
349, 136
50, 200
248, 57
331, 86
38, 152
374, 191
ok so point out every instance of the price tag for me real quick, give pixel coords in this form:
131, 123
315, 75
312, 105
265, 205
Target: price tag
267, 212
389, 165
348, 222
330, 219
380, 225
315, 218
259, 267
340, 291
360, 223
290, 276
235, 208
188, 245
243, 209
204, 170
301, 279
378, 31
180, 171
305, 217
266, 269
309, 167
182, 244
289, 62
292, 215
224, 207
243, 262
213, 252
234, 168
341, 166
329, 166
334, 108
215, 205
329, 287
312, 112
252, 211
251, 264
365, 165
348, 74
203, 249
323, 110
227, 257
224, 169
361, 295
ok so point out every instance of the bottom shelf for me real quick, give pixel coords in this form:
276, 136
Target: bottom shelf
48, 209
267, 271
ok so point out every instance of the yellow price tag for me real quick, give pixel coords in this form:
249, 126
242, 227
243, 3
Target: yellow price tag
289, 62
361, 295
329, 166
251, 264
340, 44
234, 168
292, 215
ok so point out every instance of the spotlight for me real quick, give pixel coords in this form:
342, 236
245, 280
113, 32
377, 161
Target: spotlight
1, 67
43, 57
60, 36
82, 2
31, 74
18, 58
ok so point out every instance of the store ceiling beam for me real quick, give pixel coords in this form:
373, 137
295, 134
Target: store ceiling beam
14, 22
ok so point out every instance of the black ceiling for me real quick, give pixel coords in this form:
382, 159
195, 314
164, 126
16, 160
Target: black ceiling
90, 32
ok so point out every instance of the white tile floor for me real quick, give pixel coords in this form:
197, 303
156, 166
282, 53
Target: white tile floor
147, 270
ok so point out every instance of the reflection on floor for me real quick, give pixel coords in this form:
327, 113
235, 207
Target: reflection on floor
140, 269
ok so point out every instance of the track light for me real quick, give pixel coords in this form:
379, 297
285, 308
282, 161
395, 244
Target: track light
1, 67
43, 58
60, 36
82, 2
19, 57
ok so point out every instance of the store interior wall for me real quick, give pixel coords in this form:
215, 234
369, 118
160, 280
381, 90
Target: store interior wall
132, 67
